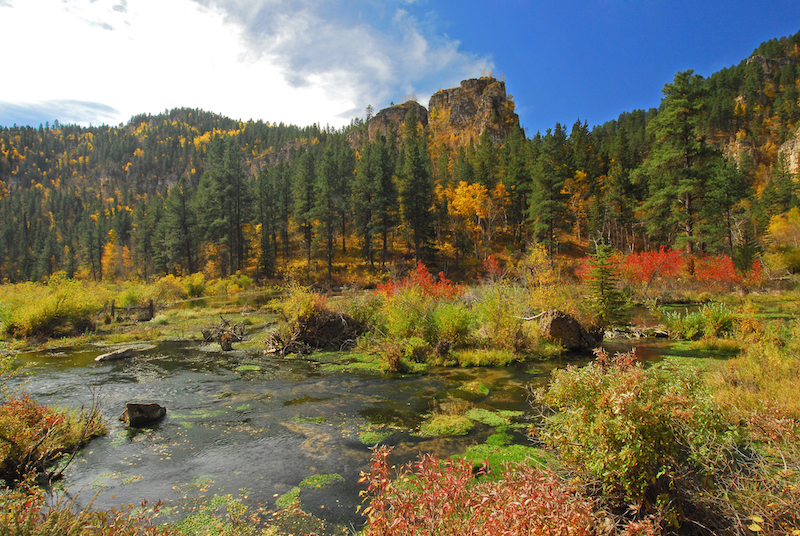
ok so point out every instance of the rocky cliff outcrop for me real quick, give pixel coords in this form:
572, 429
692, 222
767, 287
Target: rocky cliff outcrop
735, 150
770, 66
393, 118
790, 150
284, 154
459, 116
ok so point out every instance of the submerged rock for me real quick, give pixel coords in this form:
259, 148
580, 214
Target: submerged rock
562, 327
137, 414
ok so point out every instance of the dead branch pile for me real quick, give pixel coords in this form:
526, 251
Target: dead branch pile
224, 333
322, 329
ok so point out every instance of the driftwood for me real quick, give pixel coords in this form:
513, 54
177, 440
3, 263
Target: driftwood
122, 353
324, 329
224, 333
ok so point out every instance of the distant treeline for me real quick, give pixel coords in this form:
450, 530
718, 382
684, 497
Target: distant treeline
188, 190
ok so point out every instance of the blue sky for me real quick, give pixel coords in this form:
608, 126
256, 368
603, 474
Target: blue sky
324, 61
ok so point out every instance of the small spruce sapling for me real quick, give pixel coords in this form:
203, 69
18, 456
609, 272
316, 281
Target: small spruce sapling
607, 301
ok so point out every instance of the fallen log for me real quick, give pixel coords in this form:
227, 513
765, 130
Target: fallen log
122, 353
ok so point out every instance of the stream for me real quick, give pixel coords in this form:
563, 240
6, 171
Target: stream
257, 425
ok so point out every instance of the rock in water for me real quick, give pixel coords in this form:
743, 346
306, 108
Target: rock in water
226, 342
559, 326
123, 353
137, 415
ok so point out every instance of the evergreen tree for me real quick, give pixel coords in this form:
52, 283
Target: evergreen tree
547, 203
303, 196
386, 196
779, 193
680, 162
607, 302
514, 175
416, 186
365, 191
266, 203
223, 202
180, 232
327, 201
722, 205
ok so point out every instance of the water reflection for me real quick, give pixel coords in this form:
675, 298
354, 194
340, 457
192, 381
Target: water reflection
257, 422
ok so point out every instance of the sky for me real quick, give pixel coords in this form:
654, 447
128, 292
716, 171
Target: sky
94, 62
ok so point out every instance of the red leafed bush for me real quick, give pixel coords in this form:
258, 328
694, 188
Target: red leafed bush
644, 267
493, 269
422, 280
444, 497
715, 271
33, 436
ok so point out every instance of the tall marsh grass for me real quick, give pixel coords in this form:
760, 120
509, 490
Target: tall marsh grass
59, 308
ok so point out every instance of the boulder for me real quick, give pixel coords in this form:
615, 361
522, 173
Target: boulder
137, 414
122, 353
226, 341
559, 326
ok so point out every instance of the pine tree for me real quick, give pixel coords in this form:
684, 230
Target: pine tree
679, 164
326, 201
547, 203
416, 186
303, 196
223, 201
607, 302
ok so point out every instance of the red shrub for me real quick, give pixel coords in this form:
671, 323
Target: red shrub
422, 280
491, 265
716, 270
644, 267
444, 497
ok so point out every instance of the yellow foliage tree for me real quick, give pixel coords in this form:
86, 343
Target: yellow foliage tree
783, 234
480, 211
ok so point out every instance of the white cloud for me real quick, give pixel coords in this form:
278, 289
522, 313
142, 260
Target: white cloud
299, 61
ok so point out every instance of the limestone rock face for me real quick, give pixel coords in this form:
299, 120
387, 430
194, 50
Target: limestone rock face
284, 154
790, 150
478, 105
735, 149
137, 415
394, 117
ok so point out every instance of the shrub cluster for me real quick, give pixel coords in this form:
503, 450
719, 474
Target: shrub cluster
422, 318
33, 437
444, 497
647, 435
28, 512
61, 307
711, 320
666, 270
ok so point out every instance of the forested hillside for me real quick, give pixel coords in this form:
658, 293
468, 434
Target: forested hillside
712, 170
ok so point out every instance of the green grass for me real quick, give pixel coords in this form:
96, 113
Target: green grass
321, 481
475, 387
445, 425
373, 437
247, 368
493, 418
313, 420
499, 455
290, 499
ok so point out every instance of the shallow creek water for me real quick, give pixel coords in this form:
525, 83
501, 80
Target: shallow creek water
262, 427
